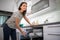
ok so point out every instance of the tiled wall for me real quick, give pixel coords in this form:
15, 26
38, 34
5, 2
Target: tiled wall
51, 17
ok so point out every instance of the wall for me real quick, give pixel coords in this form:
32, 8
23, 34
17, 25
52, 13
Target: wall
51, 17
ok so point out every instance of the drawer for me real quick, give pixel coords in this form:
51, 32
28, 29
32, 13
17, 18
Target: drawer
52, 26
52, 37
53, 30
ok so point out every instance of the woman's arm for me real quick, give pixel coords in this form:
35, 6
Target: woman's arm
27, 19
18, 27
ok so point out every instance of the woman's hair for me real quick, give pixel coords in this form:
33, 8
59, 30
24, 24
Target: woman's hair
20, 8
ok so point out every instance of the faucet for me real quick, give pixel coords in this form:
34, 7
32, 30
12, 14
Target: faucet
46, 21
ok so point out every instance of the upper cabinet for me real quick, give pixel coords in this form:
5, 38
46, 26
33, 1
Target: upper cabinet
39, 5
34, 2
7, 5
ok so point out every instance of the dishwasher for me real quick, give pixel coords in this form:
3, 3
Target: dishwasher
34, 33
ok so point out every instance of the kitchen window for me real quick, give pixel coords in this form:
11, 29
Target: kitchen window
4, 15
3, 19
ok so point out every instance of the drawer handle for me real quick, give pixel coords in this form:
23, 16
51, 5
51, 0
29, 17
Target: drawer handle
54, 34
52, 26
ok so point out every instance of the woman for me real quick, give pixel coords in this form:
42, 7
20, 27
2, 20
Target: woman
12, 23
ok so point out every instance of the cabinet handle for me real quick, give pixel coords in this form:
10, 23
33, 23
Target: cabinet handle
54, 34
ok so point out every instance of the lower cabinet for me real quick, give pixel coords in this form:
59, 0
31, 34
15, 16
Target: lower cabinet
51, 32
1, 33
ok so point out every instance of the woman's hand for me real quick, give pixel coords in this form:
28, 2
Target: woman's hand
23, 33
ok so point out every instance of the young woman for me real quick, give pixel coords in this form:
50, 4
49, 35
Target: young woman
12, 23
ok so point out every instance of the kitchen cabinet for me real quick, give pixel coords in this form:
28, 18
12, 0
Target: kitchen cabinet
34, 2
7, 5
51, 32
1, 33
40, 5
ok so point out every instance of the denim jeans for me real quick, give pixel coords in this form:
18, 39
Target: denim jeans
7, 32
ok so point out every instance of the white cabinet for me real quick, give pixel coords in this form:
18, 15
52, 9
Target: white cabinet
7, 5
34, 2
40, 5
1, 33
51, 32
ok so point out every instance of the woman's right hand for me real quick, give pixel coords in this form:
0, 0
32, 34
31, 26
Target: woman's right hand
23, 33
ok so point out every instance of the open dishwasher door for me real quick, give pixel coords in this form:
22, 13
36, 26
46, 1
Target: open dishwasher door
37, 33
34, 33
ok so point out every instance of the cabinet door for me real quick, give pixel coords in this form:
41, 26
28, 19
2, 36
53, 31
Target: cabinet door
1, 33
40, 5
7, 5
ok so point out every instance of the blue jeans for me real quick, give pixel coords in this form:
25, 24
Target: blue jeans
7, 32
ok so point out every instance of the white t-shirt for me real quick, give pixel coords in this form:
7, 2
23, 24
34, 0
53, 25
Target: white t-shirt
11, 21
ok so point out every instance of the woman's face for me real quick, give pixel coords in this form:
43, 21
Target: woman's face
24, 7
